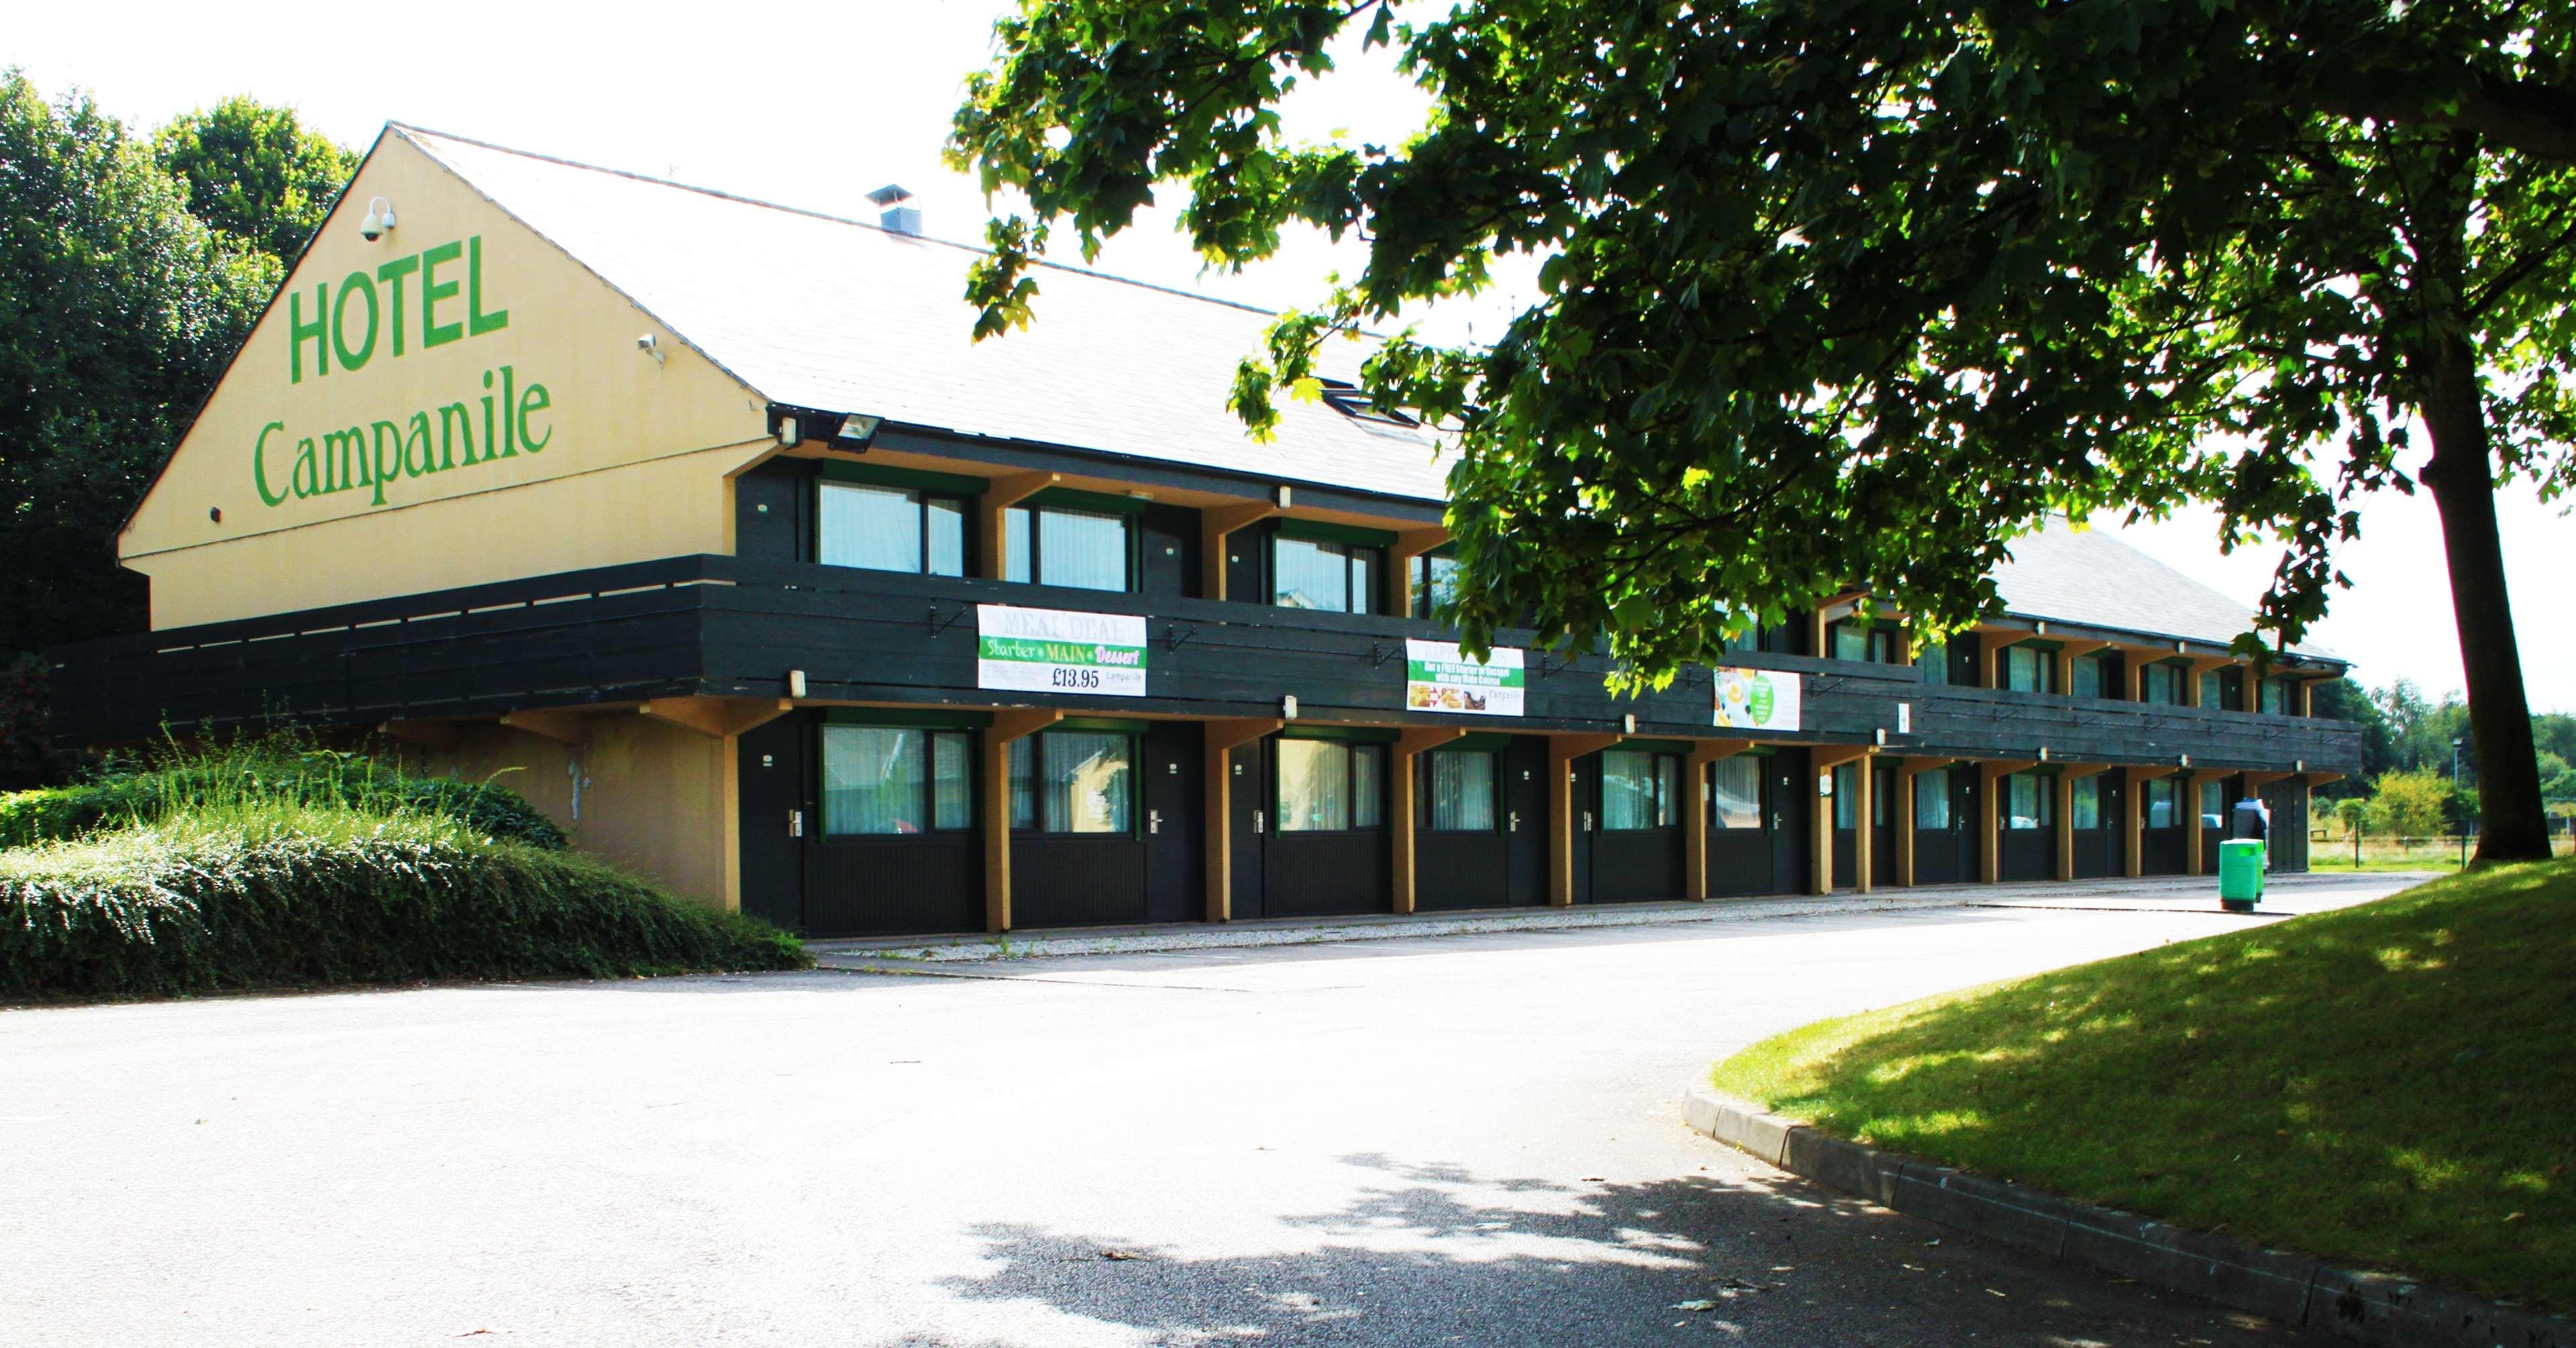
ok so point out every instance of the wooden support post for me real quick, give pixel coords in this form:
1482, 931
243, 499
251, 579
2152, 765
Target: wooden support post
1409, 544
1865, 823
1009, 723
1695, 812
1823, 761
1223, 736
561, 726
1399, 811
2195, 845
1215, 522
1562, 750
1006, 491
1990, 849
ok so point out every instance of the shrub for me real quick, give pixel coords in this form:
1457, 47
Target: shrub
277, 895
276, 770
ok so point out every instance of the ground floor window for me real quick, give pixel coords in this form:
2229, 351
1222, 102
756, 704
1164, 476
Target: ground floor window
2088, 802
1639, 789
1932, 798
1462, 793
1846, 797
2029, 802
1074, 781
894, 780
2213, 804
1735, 795
2164, 803
1326, 786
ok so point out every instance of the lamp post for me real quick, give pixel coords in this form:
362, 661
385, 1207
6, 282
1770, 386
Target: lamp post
2462, 823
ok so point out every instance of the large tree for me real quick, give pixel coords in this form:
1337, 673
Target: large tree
118, 309
1843, 295
255, 172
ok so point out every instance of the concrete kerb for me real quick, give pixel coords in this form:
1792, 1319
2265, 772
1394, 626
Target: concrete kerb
2291, 1289
867, 952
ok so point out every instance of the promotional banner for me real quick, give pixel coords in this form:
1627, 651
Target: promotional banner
1757, 699
1438, 678
1038, 650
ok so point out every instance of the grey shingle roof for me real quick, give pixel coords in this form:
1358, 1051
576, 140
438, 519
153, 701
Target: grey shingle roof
840, 315
821, 312
2091, 577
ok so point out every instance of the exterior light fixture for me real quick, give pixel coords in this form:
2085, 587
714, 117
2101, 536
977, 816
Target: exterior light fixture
651, 345
790, 432
2186, 760
1629, 723
1882, 735
1282, 497
796, 683
1288, 707
379, 221
857, 433
2043, 753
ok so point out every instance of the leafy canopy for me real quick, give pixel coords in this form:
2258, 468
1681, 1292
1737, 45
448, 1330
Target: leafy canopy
254, 172
1842, 295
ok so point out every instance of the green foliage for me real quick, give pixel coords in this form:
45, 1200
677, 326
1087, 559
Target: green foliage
279, 771
254, 172
2385, 1085
1819, 315
2415, 804
118, 309
273, 895
27, 754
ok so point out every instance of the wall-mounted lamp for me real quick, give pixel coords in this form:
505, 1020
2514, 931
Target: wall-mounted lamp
2043, 753
2186, 760
796, 683
1283, 497
1288, 707
1882, 735
857, 433
379, 221
790, 433
651, 345
1629, 723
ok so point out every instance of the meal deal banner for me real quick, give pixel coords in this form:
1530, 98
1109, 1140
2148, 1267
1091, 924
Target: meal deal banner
1039, 650
1758, 699
1438, 678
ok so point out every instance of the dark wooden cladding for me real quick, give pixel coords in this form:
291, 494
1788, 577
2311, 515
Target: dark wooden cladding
1740, 862
893, 886
2029, 853
2163, 851
1068, 880
1640, 866
1459, 870
733, 626
1328, 874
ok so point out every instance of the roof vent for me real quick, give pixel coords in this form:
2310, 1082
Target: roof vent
1347, 399
894, 215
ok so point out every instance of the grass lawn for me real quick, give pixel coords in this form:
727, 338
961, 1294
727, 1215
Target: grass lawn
2390, 1086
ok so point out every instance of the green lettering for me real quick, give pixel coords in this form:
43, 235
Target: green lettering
342, 452
297, 331
259, 469
308, 473
453, 419
536, 399
477, 321
392, 274
388, 436
491, 442
509, 433
431, 292
358, 283
418, 459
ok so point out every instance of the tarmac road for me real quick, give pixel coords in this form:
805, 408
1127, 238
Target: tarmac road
1465, 1139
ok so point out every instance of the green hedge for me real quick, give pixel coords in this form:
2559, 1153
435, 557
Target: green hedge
311, 777
329, 896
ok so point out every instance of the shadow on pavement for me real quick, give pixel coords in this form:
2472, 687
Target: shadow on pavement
1438, 1255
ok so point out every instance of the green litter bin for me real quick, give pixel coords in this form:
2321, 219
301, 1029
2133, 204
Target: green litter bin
2240, 874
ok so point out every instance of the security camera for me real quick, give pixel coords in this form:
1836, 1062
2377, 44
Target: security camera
380, 217
371, 229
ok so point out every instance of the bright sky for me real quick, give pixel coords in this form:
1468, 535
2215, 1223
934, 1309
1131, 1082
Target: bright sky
816, 105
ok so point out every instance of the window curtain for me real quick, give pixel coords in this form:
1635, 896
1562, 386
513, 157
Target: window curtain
1084, 549
1089, 778
1462, 791
1737, 791
1314, 786
1629, 782
871, 780
875, 528
1932, 798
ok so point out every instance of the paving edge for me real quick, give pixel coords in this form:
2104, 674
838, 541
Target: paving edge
2291, 1289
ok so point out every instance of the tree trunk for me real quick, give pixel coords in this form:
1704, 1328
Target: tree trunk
2461, 473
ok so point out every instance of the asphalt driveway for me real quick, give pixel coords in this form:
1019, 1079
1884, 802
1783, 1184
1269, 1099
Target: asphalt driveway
1470, 1139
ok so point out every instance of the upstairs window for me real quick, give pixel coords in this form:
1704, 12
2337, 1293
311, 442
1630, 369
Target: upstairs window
1434, 583
1933, 658
1326, 575
2088, 676
1856, 639
2028, 669
2222, 690
1082, 549
882, 528
2161, 684
2276, 697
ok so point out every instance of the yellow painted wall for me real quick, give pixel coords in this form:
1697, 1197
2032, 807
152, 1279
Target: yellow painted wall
655, 798
635, 467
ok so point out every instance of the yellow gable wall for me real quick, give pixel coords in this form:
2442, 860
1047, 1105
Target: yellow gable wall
624, 458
